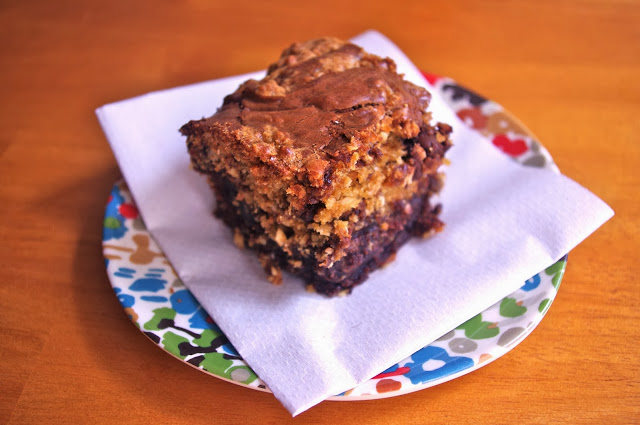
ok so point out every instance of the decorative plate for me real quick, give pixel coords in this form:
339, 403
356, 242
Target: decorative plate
159, 304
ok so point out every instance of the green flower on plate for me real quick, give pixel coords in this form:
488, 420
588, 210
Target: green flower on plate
475, 328
171, 343
160, 315
510, 308
557, 271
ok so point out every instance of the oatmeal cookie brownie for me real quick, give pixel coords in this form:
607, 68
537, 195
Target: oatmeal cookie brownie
326, 166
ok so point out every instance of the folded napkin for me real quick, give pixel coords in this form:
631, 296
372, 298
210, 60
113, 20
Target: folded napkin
504, 223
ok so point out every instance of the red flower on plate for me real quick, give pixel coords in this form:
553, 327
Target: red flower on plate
397, 372
128, 211
431, 78
509, 146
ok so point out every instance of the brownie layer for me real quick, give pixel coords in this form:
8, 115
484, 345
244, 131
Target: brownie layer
371, 247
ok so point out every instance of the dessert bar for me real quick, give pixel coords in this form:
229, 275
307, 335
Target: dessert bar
326, 166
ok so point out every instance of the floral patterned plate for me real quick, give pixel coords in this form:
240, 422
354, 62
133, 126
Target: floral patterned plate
159, 304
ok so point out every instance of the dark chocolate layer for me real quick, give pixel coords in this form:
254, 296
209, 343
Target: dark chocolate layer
370, 248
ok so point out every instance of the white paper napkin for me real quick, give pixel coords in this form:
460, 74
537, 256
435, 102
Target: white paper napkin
504, 223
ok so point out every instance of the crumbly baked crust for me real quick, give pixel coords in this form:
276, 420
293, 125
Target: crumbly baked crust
326, 166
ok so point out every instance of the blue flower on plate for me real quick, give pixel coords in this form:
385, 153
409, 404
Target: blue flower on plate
125, 300
230, 349
183, 302
532, 283
199, 320
150, 284
113, 226
434, 362
154, 298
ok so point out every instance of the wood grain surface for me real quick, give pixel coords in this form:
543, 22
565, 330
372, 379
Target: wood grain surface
68, 354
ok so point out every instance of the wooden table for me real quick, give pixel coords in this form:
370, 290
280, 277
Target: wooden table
569, 70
